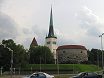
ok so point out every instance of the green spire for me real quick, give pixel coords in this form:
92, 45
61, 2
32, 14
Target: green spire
51, 30
51, 18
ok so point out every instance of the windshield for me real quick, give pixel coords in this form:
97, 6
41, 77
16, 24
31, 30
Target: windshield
79, 74
82, 74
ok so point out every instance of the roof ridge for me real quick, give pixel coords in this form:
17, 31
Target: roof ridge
71, 47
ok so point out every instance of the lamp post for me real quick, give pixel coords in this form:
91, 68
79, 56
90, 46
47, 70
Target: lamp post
98, 58
11, 67
102, 48
1, 70
57, 61
40, 63
11, 63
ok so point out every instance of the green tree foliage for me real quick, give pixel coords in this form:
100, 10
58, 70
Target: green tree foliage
4, 57
41, 54
20, 57
95, 57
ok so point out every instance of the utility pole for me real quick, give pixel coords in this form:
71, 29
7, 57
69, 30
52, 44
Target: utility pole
11, 66
11, 63
102, 49
57, 62
40, 63
98, 58
1, 70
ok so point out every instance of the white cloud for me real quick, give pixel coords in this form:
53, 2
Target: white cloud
90, 24
7, 27
89, 21
32, 20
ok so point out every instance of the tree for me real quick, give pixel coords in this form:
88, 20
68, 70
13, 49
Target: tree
95, 57
4, 57
40, 54
20, 57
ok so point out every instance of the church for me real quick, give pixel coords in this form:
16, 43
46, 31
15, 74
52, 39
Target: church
51, 39
63, 53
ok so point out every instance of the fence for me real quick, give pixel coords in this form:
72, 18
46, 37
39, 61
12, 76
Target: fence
24, 71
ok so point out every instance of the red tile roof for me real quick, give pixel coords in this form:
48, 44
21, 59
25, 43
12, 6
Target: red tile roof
34, 42
71, 47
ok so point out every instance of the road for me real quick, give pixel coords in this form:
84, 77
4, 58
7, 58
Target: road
8, 76
21, 76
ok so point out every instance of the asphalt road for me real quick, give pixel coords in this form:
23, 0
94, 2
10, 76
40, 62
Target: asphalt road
8, 76
21, 76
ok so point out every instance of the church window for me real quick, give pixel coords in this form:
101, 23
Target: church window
48, 42
54, 42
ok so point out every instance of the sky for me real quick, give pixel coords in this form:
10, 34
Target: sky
76, 22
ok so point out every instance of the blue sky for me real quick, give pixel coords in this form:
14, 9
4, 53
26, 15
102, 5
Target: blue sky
77, 22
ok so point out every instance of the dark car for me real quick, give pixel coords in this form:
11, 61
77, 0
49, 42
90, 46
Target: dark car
87, 75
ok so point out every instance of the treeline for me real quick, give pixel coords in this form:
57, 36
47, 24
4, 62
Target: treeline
35, 55
95, 57
18, 58
10, 52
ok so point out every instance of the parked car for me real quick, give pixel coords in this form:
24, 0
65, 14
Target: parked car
39, 75
87, 75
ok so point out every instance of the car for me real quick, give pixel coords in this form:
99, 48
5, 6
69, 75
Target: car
87, 75
39, 75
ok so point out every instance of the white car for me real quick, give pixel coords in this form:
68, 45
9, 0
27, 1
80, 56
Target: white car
39, 75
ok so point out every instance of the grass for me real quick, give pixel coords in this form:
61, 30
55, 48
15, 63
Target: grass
64, 67
87, 68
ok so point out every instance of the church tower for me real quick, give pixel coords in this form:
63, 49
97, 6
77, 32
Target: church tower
51, 38
34, 42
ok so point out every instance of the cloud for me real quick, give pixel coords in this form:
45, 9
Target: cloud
1, 2
28, 33
7, 27
63, 38
89, 22
31, 21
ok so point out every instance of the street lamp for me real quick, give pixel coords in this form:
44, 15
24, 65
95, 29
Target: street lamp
40, 63
11, 62
102, 48
1, 69
11, 66
57, 61
98, 58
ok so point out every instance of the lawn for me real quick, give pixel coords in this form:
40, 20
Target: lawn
63, 67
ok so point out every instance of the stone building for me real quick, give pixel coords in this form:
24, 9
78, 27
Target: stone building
71, 54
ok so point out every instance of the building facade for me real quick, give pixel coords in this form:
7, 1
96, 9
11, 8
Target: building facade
72, 54
51, 39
